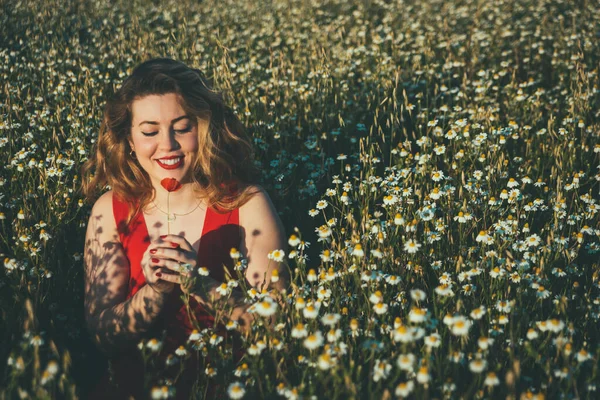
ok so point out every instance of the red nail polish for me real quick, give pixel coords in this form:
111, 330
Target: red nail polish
152, 251
155, 260
174, 245
158, 274
163, 236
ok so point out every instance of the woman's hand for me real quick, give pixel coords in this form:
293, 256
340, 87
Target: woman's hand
176, 261
152, 271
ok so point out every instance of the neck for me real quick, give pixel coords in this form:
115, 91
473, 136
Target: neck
180, 201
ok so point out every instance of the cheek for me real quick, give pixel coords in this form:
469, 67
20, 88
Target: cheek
146, 147
191, 143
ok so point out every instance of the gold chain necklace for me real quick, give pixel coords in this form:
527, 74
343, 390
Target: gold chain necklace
173, 216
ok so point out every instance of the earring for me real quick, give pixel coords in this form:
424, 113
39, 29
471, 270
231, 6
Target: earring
132, 154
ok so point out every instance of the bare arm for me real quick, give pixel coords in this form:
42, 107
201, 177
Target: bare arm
263, 232
113, 322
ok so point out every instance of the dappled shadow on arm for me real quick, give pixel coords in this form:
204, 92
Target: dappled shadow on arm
114, 321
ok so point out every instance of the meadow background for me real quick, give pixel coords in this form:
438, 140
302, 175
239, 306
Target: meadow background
437, 162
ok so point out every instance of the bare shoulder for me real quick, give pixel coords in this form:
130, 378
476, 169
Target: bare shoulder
104, 202
261, 233
258, 214
258, 206
102, 217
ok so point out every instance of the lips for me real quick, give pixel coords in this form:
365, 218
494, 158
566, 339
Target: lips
170, 162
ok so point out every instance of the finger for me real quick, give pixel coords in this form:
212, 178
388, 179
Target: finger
152, 247
162, 276
161, 242
169, 253
183, 265
156, 261
177, 239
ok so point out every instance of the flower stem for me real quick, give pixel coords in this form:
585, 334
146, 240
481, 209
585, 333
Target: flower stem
168, 214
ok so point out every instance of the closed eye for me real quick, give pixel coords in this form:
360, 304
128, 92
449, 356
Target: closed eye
185, 130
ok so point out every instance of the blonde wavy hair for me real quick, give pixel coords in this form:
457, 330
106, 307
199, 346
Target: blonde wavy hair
224, 168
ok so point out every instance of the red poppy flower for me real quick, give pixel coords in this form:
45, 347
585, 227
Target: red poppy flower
171, 184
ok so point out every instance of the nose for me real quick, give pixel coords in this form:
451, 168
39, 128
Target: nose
167, 140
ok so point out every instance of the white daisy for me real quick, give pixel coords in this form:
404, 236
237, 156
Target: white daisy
181, 351
433, 340
266, 307
423, 375
236, 390
381, 370
485, 342
294, 240
215, 339
376, 297
532, 334
358, 251
582, 356
411, 246
483, 237
223, 289
403, 334
417, 315
437, 176
313, 340
477, 366
333, 335
154, 344
404, 388
533, 240
491, 379
311, 311
398, 220
324, 361
299, 331
406, 362
324, 231
330, 319
195, 335
418, 295
380, 308
460, 326
321, 204
276, 255
234, 253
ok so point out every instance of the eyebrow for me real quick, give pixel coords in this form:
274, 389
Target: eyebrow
156, 123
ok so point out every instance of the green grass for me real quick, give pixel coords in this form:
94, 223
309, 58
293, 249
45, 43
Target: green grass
371, 98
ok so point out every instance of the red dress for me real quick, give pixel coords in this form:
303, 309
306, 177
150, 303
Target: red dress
219, 234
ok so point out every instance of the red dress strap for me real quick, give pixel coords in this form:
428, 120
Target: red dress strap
134, 239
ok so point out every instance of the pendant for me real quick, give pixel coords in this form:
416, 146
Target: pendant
171, 217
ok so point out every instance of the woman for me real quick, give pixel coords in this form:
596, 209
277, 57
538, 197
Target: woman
183, 195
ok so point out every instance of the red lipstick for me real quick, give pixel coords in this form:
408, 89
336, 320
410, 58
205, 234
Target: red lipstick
170, 164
